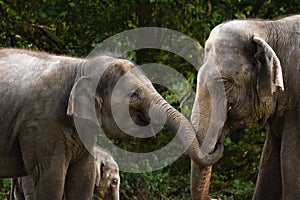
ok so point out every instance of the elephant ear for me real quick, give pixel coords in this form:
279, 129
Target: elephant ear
83, 100
270, 78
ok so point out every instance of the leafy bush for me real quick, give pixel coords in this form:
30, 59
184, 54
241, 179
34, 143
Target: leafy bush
4, 189
235, 174
167, 183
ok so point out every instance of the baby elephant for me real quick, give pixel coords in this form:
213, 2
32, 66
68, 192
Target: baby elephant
107, 181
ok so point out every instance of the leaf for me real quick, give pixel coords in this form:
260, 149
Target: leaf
72, 4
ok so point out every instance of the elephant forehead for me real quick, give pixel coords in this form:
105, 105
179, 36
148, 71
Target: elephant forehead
132, 80
132, 72
126, 65
232, 63
225, 55
231, 35
226, 46
229, 29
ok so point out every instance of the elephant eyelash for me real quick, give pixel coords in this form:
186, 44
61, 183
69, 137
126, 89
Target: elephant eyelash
227, 80
228, 84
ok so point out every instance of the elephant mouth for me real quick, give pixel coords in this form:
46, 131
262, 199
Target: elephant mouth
139, 118
220, 141
223, 135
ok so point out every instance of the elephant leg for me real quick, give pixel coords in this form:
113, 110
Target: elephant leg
80, 180
16, 192
49, 185
27, 187
290, 159
45, 161
268, 185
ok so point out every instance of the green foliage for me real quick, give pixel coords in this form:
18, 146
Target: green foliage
234, 175
167, 183
76, 27
4, 189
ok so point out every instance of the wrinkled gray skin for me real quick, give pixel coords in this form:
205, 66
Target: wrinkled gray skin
259, 64
37, 106
107, 182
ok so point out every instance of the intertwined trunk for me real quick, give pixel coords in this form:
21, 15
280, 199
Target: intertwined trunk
180, 125
208, 117
200, 181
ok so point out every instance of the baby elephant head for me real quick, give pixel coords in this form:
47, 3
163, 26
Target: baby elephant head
107, 183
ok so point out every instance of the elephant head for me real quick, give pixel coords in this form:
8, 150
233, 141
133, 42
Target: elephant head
107, 182
238, 84
126, 102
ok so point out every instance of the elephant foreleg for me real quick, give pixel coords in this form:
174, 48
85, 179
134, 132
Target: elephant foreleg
290, 158
27, 187
45, 161
16, 192
80, 180
268, 184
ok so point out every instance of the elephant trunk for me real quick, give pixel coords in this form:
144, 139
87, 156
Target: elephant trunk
180, 124
199, 182
209, 112
208, 117
114, 195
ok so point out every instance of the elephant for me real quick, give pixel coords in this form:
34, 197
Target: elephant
250, 75
42, 96
107, 181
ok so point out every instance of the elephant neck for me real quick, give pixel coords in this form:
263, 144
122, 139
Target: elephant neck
284, 103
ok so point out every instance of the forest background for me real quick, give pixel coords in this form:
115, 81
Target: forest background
74, 28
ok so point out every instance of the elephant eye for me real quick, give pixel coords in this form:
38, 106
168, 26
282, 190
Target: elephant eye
229, 106
226, 80
134, 97
114, 182
228, 83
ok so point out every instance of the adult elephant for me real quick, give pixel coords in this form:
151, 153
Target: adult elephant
41, 94
251, 75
